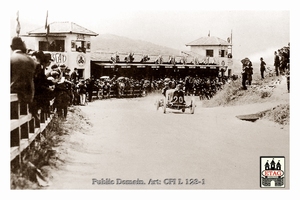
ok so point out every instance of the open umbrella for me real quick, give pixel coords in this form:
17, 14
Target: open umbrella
167, 80
120, 78
104, 77
245, 61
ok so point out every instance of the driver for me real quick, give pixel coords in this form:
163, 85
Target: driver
171, 93
178, 91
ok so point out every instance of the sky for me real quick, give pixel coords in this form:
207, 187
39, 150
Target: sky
256, 31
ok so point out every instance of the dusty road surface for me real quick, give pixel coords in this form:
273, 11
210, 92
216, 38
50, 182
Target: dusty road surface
128, 139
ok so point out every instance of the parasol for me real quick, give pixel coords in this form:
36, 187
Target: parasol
104, 77
167, 79
120, 78
245, 61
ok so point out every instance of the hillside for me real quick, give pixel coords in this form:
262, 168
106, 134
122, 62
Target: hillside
270, 93
104, 42
110, 43
113, 43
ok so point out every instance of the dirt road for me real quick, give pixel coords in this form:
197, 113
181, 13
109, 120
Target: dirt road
128, 139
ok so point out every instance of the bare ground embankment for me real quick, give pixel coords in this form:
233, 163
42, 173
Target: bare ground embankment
128, 139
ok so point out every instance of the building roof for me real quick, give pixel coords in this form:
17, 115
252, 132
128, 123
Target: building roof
63, 28
209, 41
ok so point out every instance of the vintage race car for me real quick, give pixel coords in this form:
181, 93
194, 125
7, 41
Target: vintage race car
174, 99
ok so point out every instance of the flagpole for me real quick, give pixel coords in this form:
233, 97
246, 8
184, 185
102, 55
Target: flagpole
18, 28
46, 23
47, 27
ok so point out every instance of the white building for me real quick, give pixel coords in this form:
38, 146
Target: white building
68, 43
212, 49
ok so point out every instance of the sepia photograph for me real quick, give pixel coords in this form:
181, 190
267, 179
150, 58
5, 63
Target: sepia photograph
146, 95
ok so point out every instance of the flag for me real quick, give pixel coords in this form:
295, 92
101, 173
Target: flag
47, 27
228, 40
18, 28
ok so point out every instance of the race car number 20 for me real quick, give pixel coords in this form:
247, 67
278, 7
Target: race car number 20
178, 99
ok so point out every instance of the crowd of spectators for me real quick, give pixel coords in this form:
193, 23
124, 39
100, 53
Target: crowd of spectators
204, 87
37, 81
282, 60
281, 67
282, 63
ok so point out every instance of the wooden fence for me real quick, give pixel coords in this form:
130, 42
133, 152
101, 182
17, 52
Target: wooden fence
25, 128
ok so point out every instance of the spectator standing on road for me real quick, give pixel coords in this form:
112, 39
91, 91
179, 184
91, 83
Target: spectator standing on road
90, 88
75, 76
283, 61
82, 89
288, 77
276, 63
249, 72
262, 67
62, 98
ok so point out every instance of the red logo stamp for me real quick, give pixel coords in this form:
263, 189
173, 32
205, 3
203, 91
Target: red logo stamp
272, 171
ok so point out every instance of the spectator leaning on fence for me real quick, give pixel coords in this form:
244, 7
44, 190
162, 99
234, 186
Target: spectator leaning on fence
43, 85
22, 71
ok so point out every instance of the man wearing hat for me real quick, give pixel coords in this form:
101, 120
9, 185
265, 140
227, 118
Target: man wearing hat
62, 69
262, 67
46, 62
22, 71
43, 86
276, 63
75, 75
82, 90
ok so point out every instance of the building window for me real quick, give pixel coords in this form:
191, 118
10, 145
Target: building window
55, 45
43, 46
88, 46
73, 45
222, 54
79, 46
209, 53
